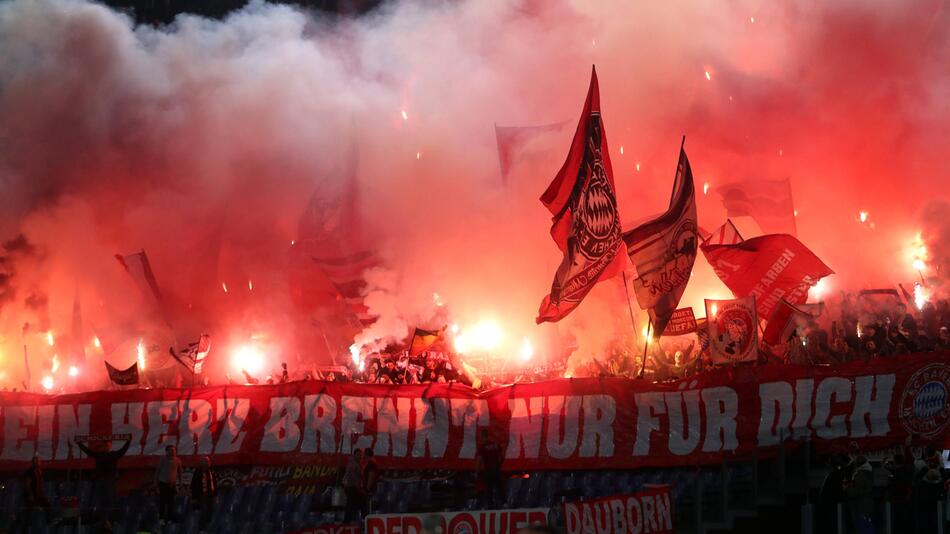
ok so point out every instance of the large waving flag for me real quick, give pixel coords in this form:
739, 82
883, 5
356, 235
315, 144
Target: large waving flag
769, 202
769, 268
664, 249
586, 225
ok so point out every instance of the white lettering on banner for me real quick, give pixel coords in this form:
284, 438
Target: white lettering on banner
281, 432
319, 429
392, 426
811, 408
834, 389
776, 399
469, 414
432, 427
803, 392
162, 415
649, 511
44, 431
774, 271
477, 522
15, 444
127, 419
599, 414
684, 434
194, 427
648, 404
567, 411
356, 411
524, 428
869, 417
232, 435
71, 423
722, 408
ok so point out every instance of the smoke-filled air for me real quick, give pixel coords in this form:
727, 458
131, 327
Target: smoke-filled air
244, 155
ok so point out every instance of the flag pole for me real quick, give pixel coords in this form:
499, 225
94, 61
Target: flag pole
646, 347
626, 292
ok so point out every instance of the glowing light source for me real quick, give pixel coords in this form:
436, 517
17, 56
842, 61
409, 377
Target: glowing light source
140, 351
920, 296
918, 254
795, 213
293, 242
484, 336
454, 328
818, 289
96, 342
355, 355
248, 358
49, 338
55, 365
405, 116
418, 155
708, 76
638, 166
705, 188
250, 285
621, 150
863, 216
47, 382
73, 371
437, 300
714, 308
752, 20
224, 286
527, 349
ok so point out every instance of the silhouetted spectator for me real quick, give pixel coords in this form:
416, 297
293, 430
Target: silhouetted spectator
859, 493
167, 475
203, 491
370, 477
353, 486
489, 482
106, 467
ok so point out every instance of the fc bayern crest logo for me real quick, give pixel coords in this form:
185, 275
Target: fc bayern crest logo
924, 407
595, 211
735, 327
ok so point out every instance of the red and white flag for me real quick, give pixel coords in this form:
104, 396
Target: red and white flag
769, 268
727, 234
664, 249
784, 322
733, 330
768, 202
586, 225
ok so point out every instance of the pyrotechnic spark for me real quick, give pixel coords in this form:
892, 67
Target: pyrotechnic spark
250, 285
140, 351
818, 289
706, 188
355, 355
527, 349
752, 20
795, 213
96, 342
714, 308
920, 296
224, 286
49, 338
293, 242
418, 155
47, 383
248, 358
919, 254
405, 116
638, 166
621, 150
437, 300
863, 216
454, 328
73, 371
55, 364
860, 331
708, 76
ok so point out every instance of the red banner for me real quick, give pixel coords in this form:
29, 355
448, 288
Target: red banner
330, 529
769, 268
606, 423
650, 510
474, 522
682, 322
